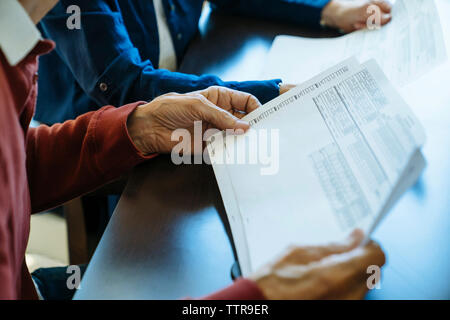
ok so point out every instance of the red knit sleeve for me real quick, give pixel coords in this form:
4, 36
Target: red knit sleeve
69, 159
241, 289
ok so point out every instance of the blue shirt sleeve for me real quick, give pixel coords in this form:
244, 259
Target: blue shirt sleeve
108, 67
303, 12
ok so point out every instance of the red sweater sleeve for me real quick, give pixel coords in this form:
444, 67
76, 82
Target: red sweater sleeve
241, 289
67, 160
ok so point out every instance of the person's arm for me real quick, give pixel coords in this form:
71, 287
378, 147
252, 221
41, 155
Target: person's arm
333, 271
83, 153
69, 159
101, 52
301, 12
78, 156
347, 16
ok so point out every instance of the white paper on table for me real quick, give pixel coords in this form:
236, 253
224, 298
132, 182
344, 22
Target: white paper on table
406, 48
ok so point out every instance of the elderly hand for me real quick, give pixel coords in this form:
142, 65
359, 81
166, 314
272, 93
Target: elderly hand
151, 125
349, 16
336, 271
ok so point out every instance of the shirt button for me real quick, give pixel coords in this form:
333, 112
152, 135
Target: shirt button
179, 36
172, 7
103, 86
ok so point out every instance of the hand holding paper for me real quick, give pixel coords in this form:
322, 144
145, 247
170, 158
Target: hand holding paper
348, 146
334, 271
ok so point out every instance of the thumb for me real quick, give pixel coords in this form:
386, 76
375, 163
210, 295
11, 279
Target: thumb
220, 118
384, 5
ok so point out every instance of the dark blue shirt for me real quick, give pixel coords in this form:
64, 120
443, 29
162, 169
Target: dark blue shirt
113, 58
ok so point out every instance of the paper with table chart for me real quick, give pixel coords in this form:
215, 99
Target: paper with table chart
348, 147
406, 48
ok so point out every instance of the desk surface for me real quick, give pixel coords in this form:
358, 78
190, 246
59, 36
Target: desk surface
168, 237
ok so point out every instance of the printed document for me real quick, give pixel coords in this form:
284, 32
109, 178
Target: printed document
344, 146
406, 48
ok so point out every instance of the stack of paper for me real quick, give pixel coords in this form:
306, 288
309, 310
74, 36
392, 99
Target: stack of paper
328, 156
406, 48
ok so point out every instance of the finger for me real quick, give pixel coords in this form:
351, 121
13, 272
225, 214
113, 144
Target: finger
217, 117
359, 25
385, 6
305, 255
231, 99
351, 274
355, 292
238, 114
239, 100
370, 254
286, 87
385, 18
336, 274
352, 266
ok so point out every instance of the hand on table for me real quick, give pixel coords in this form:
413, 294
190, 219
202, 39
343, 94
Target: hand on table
151, 125
352, 15
335, 271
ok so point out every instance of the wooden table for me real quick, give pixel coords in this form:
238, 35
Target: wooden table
168, 236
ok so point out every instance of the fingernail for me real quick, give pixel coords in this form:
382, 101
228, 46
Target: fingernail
357, 234
241, 124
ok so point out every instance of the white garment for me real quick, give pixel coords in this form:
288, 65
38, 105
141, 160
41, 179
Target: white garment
167, 55
18, 34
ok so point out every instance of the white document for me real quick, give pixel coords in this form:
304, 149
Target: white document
406, 48
347, 143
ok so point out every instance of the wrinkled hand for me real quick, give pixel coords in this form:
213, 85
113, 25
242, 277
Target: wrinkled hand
151, 125
349, 16
336, 271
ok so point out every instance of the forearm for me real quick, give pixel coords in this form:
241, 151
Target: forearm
154, 82
116, 73
67, 160
300, 12
130, 79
